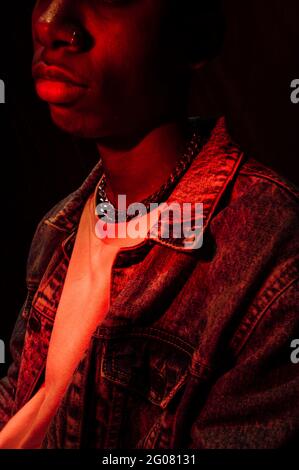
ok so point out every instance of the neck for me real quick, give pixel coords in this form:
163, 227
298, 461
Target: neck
139, 169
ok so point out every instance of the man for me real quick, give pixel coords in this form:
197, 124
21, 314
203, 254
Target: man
157, 344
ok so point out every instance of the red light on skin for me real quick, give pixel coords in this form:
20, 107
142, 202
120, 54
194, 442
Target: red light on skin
58, 92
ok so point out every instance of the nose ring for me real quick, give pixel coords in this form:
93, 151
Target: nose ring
75, 39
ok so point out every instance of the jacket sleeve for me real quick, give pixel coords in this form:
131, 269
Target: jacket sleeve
255, 404
8, 384
43, 244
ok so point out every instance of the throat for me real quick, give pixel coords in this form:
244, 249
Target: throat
139, 171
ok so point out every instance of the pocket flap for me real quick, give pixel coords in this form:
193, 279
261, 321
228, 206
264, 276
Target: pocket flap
148, 366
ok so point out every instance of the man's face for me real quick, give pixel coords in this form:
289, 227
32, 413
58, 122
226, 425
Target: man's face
107, 68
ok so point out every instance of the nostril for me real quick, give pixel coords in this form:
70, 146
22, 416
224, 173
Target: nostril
58, 43
55, 35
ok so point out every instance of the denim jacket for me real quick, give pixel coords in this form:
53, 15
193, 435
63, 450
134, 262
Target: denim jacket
195, 349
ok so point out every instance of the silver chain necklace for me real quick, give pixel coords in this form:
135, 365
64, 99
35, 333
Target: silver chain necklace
104, 205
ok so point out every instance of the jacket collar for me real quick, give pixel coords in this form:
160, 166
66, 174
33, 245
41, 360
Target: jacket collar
204, 182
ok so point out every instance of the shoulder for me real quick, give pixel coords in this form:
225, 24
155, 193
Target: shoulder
257, 230
258, 174
57, 224
258, 221
256, 237
267, 201
44, 242
265, 194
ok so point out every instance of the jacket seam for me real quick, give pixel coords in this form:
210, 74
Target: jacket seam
151, 332
235, 171
277, 182
263, 313
56, 227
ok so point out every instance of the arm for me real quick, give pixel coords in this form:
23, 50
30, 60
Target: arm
255, 404
45, 240
8, 384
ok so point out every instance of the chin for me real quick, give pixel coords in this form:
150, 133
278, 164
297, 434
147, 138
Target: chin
76, 123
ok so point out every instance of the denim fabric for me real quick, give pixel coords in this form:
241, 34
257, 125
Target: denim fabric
195, 349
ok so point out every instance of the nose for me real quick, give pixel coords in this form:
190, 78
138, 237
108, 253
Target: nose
58, 28
55, 36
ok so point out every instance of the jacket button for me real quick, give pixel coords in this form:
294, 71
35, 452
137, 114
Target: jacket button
35, 324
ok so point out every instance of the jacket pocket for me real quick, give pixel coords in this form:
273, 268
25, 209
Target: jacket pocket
154, 365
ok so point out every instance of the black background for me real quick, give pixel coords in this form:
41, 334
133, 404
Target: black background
249, 83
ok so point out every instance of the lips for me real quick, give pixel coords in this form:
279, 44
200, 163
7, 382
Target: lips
57, 85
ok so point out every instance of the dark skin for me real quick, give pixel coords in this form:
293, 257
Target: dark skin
121, 80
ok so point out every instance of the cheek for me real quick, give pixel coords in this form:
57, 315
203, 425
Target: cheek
130, 40
126, 60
